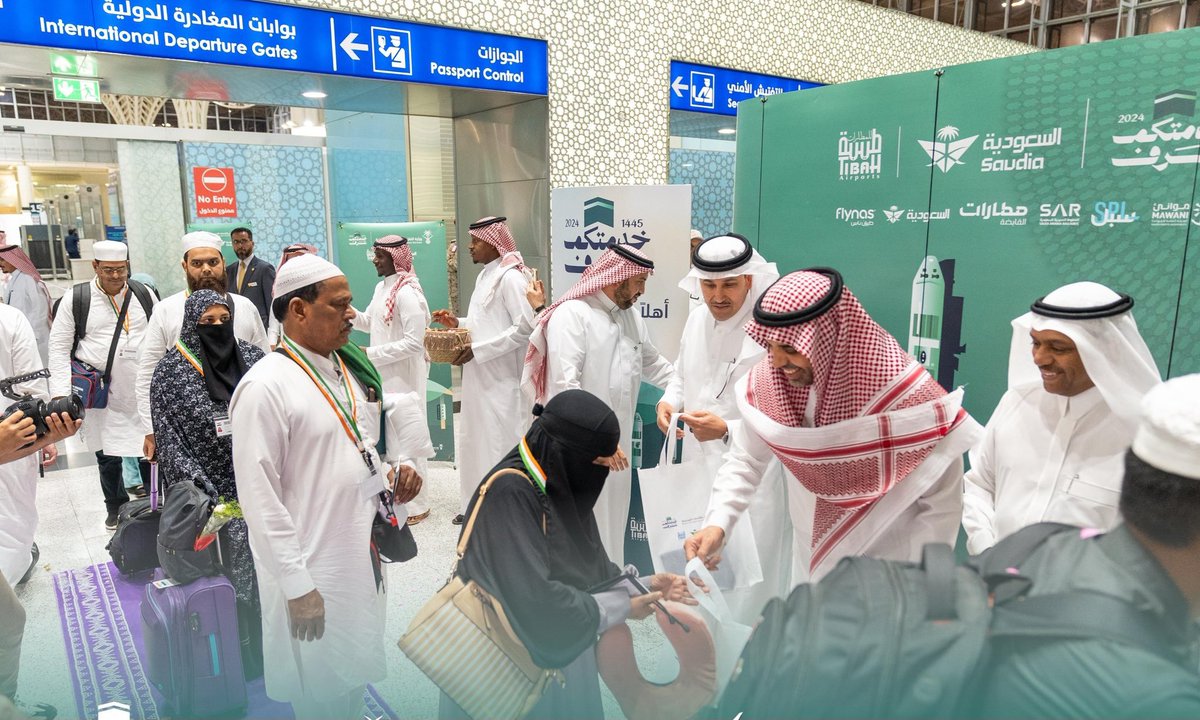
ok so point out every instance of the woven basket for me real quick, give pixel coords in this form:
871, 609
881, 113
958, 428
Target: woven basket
445, 345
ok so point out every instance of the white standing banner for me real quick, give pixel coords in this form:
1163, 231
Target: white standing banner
655, 219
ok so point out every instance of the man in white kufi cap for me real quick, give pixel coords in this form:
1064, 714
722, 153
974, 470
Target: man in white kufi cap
309, 476
204, 268
114, 432
714, 354
1140, 661
1053, 447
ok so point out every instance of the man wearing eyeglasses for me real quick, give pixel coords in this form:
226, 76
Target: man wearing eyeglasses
115, 431
728, 275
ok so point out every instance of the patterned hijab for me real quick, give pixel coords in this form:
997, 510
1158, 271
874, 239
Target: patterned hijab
616, 265
402, 260
213, 345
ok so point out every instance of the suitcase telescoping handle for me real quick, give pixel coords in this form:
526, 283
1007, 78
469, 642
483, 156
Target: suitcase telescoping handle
154, 486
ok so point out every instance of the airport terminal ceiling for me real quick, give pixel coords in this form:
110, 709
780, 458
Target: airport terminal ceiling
26, 67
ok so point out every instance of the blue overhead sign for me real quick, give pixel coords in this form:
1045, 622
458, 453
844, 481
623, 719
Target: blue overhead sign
281, 37
703, 88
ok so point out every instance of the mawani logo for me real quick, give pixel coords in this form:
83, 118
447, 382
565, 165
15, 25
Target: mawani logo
949, 151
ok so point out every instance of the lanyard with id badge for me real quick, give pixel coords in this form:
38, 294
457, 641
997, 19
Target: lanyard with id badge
221, 421
371, 484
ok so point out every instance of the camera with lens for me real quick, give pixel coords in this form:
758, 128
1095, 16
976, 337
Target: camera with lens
35, 408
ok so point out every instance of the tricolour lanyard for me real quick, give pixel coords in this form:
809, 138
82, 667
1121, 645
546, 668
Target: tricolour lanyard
189, 356
532, 466
348, 419
116, 310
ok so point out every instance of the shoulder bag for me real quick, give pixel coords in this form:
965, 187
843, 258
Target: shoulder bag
462, 640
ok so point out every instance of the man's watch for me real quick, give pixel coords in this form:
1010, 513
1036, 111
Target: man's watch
725, 437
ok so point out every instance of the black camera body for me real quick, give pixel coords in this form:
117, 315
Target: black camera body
37, 409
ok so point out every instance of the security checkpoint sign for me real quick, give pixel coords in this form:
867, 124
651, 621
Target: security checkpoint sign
216, 196
281, 37
717, 90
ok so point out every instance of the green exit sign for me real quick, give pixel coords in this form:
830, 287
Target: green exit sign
78, 65
74, 90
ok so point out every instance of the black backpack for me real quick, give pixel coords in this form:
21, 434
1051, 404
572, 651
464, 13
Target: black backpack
133, 546
878, 638
81, 305
184, 516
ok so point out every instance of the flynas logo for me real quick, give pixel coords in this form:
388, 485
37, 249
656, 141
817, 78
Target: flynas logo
948, 150
598, 210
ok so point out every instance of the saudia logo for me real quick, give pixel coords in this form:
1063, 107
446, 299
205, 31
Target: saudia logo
948, 150
894, 214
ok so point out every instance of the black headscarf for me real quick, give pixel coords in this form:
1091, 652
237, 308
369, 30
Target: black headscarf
571, 431
214, 345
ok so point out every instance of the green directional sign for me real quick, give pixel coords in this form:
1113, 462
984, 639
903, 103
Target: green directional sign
77, 65
75, 90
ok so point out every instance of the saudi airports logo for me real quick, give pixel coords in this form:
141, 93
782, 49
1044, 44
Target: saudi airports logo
947, 151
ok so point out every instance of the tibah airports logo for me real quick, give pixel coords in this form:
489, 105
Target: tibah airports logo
948, 150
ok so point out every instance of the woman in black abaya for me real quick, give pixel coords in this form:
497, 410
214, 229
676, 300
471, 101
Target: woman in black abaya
542, 580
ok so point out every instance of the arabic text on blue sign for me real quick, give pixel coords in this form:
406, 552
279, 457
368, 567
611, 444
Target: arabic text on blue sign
702, 88
281, 37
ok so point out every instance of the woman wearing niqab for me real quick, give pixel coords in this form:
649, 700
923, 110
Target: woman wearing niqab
190, 390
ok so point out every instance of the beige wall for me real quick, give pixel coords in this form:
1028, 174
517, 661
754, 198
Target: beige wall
609, 60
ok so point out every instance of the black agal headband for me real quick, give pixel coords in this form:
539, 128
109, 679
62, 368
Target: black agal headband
1122, 304
485, 223
726, 264
398, 244
795, 317
631, 257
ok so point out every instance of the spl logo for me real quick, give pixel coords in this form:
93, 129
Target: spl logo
948, 150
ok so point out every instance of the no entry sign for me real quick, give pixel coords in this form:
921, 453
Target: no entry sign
215, 193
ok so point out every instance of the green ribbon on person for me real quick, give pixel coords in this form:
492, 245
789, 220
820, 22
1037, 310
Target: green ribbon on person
361, 367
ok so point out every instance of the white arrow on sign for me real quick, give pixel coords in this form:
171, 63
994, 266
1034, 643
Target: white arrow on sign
350, 46
679, 86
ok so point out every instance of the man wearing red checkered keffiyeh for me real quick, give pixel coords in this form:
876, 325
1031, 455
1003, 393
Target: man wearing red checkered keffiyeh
27, 292
593, 338
494, 413
873, 442
396, 319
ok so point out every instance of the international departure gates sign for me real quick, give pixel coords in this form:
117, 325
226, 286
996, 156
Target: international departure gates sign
952, 200
281, 37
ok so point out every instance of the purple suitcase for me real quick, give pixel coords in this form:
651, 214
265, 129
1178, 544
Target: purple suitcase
193, 656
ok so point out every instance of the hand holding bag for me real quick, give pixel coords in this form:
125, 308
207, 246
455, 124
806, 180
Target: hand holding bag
675, 501
462, 640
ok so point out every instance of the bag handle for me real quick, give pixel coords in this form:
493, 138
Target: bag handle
154, 486
937, 560
112, 348
670, 442
470, 526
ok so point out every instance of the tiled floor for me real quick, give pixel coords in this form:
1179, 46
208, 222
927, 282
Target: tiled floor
71, 534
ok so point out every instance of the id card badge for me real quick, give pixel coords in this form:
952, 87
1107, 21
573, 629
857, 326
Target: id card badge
222, 423
370, 484
126, 352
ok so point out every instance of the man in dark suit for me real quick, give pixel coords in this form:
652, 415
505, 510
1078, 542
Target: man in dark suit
250, 276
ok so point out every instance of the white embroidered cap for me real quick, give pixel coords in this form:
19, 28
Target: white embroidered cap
302, 271
110, 251
1169, 434
201, 239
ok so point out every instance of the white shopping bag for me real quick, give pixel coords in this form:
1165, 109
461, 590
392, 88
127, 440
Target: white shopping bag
729, 636
675, 500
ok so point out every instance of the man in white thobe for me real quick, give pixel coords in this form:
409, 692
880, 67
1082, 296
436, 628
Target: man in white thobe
873, 443
494, 413
27, 292
592, 339
204, 267
115, 431
396, 319
714, 353
1054, 448
308, 480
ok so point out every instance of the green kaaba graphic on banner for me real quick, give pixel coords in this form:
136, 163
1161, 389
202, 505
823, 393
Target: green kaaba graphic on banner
951, 200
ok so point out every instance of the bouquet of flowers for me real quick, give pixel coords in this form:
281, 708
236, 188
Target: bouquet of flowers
223, 512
